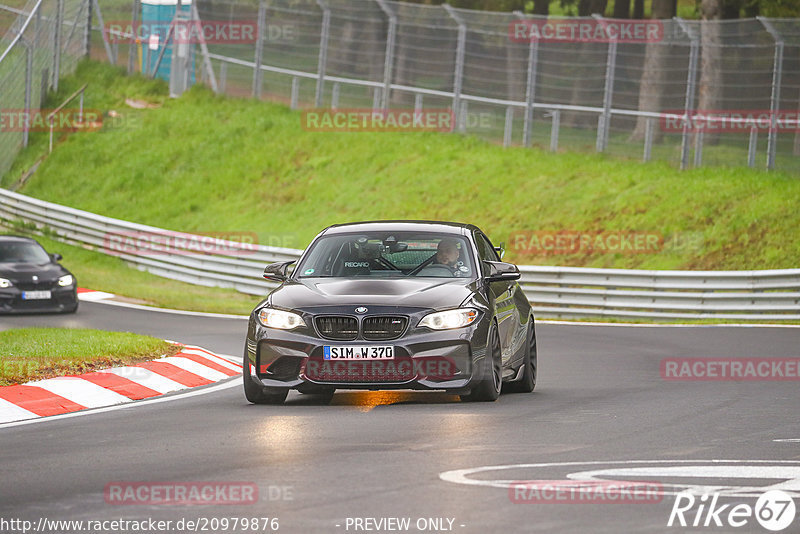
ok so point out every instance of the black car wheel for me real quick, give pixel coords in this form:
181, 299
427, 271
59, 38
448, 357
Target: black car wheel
255, 393
488, 389
528, 381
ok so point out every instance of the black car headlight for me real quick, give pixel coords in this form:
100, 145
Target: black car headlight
66, 280
283, 320
448, 319
4, 283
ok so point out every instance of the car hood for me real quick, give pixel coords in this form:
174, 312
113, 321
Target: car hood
23, 272
411, 292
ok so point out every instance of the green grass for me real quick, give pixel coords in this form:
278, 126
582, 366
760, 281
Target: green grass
35, 353
107, 273
205, 163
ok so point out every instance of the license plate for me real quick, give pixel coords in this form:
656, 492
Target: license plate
35, 295
370, 352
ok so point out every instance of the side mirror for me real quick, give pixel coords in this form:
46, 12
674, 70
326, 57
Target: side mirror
499, 271
277, 271
56, 257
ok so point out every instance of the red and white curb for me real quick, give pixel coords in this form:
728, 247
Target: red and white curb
191, 367
92, 296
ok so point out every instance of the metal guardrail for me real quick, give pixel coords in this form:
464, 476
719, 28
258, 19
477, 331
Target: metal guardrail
561, 292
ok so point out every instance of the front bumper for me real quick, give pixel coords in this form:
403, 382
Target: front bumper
424, 359
62, 299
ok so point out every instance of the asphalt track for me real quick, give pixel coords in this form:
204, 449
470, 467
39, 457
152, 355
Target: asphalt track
600, 398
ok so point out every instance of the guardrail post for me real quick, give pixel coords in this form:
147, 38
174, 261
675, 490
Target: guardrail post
223, 77
698, 149
388, 63
57, 44
418, 103
554, 130
691, 80
604, 121
751, 147
775, 95
262, 16
508, 126
323, 52
649, 127
458, 76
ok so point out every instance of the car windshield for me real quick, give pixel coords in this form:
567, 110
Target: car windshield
382, 254
23, 252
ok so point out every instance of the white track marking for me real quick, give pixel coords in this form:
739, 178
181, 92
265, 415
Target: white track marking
94, 296
11, 412
147, 378
787, 440
130, 405
80, 391
788, 471
193, 367
214, 358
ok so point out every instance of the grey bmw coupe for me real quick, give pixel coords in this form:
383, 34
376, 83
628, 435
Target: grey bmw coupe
392, 305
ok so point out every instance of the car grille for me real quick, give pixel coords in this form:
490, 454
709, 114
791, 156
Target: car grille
338, 328
383, 328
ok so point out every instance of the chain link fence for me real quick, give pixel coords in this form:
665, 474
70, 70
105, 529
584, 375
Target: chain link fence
42, 42
688, 92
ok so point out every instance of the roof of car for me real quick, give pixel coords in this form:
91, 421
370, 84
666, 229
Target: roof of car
401, 226
16, 239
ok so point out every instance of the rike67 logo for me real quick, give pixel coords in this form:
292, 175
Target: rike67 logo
774, 510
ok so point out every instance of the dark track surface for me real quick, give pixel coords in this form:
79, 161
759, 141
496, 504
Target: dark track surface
600, 397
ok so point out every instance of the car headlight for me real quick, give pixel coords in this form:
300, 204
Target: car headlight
283, 320
4, 283
446, 320
66, 280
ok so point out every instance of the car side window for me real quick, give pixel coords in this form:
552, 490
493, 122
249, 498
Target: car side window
485, 249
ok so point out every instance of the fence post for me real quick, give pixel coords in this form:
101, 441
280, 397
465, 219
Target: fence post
509, 125
458, 78
57, 44
28, 82
323, 51
295, 92
418, 103
223, 77
554, 130
262, 22
604, 122
751, 147
698, 149
691, 80
133, 43
648, 139
388, 63
109, 53
530, 87
87, 34
775, 96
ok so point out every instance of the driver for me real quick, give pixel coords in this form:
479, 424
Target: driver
447, 254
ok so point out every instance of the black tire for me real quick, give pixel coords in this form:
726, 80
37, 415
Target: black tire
488, 389
255, 393
528, 381
71, 310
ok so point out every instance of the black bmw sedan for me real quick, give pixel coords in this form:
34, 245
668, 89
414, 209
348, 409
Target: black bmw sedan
392, 305
32, 281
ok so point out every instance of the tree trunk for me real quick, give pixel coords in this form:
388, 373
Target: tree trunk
653, 73
541, 7
638, 9
622, 9
710, 88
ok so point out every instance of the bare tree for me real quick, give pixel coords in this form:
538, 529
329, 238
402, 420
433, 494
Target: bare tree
710, 89
653, 71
